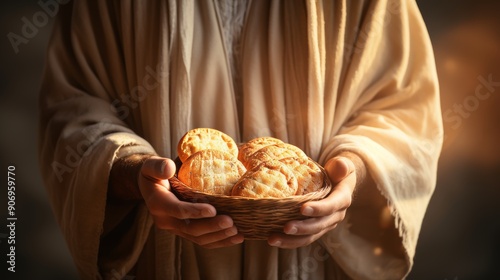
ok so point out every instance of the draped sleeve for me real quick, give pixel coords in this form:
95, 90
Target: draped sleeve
388, 112
89, 105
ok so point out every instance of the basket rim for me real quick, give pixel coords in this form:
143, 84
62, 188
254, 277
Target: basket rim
325, 190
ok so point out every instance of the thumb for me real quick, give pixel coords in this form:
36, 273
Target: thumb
338, 168
158, 168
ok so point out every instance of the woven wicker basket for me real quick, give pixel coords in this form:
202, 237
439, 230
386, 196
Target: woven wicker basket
255, 218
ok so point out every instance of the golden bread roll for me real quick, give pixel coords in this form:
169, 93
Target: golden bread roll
247, 149
276, 152
309, 175
199, 139
211, 171
270, 179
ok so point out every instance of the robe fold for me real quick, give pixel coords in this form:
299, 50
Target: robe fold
125, 77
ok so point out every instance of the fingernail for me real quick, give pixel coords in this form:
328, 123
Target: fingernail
231, 231
347, 162
293, 230
225, 224
161, 167
307, 211
275, 243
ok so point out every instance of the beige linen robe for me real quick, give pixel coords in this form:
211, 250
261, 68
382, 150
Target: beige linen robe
126, 77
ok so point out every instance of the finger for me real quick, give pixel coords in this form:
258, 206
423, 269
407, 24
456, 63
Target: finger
313, 225
163, 202
157, 168
231, 241
338, 168
339, 199
226, 242
220, 238
195, 227
155, 190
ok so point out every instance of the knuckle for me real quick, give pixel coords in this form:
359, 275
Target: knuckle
179, 212
191, 231
184, 210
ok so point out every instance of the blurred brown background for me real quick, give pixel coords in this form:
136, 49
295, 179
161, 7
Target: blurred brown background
460, 237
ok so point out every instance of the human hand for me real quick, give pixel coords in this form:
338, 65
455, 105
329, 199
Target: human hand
197, 222
324, 214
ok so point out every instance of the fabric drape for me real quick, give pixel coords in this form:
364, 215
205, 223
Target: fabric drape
125, 77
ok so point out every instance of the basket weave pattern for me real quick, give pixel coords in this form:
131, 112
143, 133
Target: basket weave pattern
255, 218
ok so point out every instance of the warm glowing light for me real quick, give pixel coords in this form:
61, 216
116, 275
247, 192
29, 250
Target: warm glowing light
450, 64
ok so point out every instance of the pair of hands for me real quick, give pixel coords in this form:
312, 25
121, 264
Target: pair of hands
200, 223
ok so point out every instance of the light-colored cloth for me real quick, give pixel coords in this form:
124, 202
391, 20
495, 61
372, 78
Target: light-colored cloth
232, 17
126, 77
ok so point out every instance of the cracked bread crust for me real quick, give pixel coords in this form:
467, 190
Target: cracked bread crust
269, 179
275, 152
247, 149
199, 139
309, 175
211, 171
